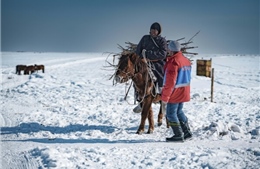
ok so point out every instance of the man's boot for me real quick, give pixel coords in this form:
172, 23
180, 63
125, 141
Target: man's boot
178, 134
138, 108
186, 130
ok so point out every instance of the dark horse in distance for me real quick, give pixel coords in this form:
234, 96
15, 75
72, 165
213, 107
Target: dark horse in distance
130, 66
20, 68
28, 69
39, 67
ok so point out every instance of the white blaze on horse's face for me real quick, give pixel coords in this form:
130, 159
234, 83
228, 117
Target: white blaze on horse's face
121, 76
118, 79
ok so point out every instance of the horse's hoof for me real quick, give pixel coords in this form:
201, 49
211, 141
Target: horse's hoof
159, 124
140, 132
150, 132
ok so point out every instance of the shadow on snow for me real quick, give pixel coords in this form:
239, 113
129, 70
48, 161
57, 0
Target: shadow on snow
36, 127
92, 141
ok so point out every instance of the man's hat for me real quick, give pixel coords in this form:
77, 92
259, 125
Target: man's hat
156, 26
174, 46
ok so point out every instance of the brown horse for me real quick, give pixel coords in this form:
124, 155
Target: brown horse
20, 68
39, 67
29, 70
130, 66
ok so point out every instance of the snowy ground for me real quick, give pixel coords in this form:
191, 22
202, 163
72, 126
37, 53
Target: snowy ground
72, 116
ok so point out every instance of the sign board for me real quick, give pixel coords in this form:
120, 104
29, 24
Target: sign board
204, 68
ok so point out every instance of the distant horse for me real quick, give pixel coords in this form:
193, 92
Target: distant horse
29, 70
130, 66
20, 68
39, 67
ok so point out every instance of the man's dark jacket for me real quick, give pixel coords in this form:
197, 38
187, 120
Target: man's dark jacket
155, 52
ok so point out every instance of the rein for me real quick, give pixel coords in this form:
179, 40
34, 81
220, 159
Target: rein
149, 67
128, 90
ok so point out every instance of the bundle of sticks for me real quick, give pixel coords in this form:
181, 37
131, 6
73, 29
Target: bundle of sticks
131, 47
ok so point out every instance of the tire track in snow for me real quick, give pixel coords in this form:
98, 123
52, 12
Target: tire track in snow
88, 60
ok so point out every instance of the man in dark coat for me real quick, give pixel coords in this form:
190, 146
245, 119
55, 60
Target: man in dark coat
154, 46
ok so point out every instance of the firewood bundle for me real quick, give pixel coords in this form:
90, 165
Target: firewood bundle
185, 45
131, 47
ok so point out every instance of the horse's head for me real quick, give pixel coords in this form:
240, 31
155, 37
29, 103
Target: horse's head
126, 67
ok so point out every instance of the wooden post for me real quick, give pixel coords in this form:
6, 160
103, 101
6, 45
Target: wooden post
204, 69
212, 83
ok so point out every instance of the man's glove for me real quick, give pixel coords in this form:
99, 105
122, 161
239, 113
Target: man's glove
164, 102
143, 53
144, 56
163, 107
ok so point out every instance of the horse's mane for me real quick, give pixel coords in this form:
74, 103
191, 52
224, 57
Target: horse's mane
135, 59
126, 53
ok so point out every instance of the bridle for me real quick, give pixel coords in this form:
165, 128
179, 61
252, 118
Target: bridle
131, 75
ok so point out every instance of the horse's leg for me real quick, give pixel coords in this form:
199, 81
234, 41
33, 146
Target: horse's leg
142, 123
151, 121
147, 102
25, 71
160, 116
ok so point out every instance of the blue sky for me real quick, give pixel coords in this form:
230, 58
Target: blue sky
226, 26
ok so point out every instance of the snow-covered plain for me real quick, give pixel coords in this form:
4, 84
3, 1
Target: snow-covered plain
72, 116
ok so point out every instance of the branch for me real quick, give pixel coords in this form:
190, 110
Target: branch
194, 36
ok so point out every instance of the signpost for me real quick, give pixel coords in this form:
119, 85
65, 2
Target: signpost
204, 68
